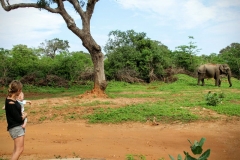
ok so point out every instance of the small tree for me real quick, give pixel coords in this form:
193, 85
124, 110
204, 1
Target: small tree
24, 60
185, 56
52, 47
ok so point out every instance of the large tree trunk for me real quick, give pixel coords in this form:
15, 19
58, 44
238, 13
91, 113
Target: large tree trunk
100, 83
97, 56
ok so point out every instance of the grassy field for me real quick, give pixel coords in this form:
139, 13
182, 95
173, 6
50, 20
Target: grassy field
172, 101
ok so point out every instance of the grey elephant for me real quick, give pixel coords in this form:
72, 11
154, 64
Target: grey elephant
214, 71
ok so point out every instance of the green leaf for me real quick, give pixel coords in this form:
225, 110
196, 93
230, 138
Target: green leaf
186, 153
196, 149
202, 141
205, 155
188, 157
190, 142
171, 157
179, 157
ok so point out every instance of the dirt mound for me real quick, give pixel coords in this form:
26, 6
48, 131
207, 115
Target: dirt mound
92, 94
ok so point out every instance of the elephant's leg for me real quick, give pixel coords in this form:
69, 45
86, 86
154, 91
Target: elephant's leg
203, 82
199, 81
216, 81
219, 83
200, 78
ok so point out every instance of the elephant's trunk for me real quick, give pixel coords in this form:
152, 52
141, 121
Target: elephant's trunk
229, 79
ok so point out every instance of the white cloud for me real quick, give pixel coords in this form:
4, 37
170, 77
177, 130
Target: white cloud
29, 25
195, 13
29, 20
185, 14
228, 3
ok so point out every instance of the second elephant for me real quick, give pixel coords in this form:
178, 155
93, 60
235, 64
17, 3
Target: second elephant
214, 71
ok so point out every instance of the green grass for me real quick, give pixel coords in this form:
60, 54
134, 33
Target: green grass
172, 101
135, 157
184, 93
141, 112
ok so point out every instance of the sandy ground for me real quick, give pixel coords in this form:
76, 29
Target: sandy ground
80, 139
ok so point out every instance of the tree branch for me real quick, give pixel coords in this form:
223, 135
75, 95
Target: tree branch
90, 8
25, 5
60, 4
77, 7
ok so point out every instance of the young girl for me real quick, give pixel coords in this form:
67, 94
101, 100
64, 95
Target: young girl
15, 118
22, 102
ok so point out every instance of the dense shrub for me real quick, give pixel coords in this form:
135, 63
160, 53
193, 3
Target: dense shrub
213, 99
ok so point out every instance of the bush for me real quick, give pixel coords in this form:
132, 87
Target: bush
213, 99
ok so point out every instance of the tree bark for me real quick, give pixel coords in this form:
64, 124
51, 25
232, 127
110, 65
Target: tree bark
97, 56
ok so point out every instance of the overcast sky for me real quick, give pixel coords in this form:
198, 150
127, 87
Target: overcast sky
214, 24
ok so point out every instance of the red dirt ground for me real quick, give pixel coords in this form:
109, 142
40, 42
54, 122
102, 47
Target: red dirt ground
51, 139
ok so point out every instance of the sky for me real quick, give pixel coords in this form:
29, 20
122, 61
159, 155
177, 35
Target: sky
214, 24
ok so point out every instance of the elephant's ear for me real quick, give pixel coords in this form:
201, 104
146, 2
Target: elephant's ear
221, 68
227, 68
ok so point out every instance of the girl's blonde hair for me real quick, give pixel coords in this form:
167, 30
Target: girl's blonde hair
14, 87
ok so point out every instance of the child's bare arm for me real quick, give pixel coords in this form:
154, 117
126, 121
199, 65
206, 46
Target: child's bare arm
29, 102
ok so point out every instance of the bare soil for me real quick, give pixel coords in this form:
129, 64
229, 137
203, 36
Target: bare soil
77, 138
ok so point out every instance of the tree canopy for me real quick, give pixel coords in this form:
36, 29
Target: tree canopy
28, 65
52, 47
130, 54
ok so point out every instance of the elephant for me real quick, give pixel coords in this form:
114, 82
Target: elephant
214, 71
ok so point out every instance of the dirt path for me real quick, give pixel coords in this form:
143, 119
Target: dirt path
79, 139
52, 139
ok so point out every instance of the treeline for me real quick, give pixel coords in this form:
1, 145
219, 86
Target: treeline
33, 66
130, 57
